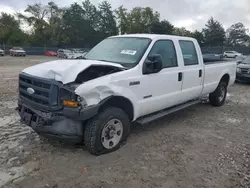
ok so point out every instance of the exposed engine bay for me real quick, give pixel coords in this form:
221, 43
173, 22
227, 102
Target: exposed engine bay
96, 71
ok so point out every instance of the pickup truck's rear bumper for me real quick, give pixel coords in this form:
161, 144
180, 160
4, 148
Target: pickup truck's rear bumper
243, 77
65, 125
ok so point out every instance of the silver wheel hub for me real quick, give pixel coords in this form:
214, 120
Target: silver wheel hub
112, 133
222, 93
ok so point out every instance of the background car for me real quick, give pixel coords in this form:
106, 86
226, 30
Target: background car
66, 54
1, 52
50, 53
243, 70
231, 54
79, 53
17, 51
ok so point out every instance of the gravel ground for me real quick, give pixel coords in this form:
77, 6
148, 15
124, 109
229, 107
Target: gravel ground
201, 146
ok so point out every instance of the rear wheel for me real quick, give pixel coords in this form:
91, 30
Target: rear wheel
218, 97
105, 132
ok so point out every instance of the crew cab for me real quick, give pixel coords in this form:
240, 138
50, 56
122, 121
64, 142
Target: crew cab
123, 79
17, 51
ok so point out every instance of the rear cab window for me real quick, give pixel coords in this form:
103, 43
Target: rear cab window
166, 49
188, 52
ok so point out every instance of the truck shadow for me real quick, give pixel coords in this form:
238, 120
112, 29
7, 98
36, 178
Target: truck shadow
174, 118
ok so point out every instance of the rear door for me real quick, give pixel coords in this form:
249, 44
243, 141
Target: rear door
192, 70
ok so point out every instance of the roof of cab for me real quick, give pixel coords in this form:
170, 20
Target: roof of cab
154, 36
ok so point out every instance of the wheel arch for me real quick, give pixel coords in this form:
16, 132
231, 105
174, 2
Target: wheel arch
225, 78
120, 102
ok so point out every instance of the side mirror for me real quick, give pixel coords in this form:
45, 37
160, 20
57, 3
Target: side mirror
153, 64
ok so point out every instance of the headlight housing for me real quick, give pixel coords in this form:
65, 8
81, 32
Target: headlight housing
237, 69
70, 99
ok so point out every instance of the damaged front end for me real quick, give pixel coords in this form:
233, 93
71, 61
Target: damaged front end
52, 108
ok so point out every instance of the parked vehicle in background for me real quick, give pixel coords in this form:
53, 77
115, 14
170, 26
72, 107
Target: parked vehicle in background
231, 54
240, 58
1, 52
65, 54
17, 51
141, 78
50, 53
210, 56
78, 53
243, 70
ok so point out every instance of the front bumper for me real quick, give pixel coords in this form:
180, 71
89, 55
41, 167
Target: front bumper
66, 124
243, 77
20, 54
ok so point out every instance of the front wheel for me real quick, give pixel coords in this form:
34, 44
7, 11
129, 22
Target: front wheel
218, 97
106, 131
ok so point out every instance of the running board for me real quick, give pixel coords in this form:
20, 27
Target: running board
150, 118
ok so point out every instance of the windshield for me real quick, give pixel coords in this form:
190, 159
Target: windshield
246, 60
67, 51
17, 48
126, 51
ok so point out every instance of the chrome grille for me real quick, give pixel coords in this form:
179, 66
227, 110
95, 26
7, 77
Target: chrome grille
244, 70
45, 95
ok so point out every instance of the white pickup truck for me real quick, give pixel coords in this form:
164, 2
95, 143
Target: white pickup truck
124, 79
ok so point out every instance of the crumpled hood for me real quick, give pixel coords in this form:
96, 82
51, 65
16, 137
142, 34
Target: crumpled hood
65, 71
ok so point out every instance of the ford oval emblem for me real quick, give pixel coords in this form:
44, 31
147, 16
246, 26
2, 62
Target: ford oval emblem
30, 90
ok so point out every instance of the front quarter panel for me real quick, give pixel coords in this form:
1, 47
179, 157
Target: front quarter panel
117, 84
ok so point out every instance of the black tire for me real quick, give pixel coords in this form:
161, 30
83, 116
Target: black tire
218, 97
95, 126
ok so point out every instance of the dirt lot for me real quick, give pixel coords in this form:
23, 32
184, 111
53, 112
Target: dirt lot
201, 146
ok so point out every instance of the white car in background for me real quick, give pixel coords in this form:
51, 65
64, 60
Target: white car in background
65, 54
231, 54
79, 53
1, 52
17, 51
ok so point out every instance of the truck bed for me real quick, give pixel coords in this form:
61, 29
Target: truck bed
220, 61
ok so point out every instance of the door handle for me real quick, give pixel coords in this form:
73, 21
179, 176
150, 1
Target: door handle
180, 76
200, 73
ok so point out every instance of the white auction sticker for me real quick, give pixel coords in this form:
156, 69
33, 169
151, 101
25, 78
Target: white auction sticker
128, 52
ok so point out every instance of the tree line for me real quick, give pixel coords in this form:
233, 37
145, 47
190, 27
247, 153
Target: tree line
84, 25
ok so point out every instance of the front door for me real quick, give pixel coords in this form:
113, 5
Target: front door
163, 89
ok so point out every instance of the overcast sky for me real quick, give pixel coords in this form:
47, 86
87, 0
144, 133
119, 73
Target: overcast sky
191, 14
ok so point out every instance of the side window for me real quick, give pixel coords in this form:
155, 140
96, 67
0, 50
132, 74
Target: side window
166, 49
189, 53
